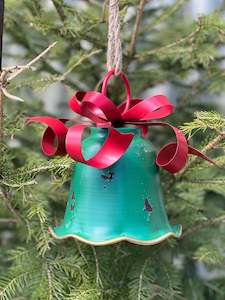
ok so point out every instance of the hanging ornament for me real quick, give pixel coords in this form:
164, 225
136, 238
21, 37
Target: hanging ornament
115, 191
117, 170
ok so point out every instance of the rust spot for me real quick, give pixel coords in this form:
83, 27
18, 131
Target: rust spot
72, 207
109, 176
148, 207
73, 196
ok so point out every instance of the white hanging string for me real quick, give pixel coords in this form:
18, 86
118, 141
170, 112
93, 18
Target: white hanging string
114, 50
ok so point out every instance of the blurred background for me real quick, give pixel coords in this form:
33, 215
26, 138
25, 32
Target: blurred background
55, 97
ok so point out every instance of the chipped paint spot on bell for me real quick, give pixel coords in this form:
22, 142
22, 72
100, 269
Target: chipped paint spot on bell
147, 206
108, 176
72, 207
73, 196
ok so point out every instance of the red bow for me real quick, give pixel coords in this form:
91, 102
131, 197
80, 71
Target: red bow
59, 139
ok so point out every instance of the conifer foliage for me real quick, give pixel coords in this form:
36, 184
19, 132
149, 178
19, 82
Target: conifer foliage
163, 48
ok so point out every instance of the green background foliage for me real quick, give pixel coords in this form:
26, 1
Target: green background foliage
33, 189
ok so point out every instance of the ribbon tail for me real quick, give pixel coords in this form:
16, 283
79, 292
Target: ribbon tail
173, 156
194, 151
111, 151
53, 139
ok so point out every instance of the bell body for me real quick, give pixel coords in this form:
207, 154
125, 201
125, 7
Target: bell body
122, 202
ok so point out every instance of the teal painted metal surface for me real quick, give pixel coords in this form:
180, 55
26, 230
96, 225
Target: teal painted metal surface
123, 202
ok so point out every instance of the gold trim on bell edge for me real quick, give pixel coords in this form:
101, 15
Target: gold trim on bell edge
117, 240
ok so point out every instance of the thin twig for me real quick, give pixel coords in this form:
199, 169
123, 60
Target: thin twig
203, 225
81, 252
10, 96
135, 32
140, 282
98, 278
8, 221
59, 9
33, 61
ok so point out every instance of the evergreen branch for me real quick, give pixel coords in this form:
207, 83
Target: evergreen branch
209, 254
203, 225
50, 285
209, 146
9, 286
167, 13
189, 37
208, 181
18, 185
84, 294
56, 74
77, 63
53, 164
6, 198
204, 120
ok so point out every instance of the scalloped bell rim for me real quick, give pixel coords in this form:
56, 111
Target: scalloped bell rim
119, 239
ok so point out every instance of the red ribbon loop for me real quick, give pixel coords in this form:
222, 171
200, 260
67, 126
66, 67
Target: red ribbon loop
115, 144
96, 106
126, 83
155, 107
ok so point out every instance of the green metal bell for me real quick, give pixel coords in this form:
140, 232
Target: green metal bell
123, 202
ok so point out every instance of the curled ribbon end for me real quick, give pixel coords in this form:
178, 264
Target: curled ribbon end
53, 140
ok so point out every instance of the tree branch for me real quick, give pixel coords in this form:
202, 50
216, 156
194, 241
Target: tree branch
5, 78
33, 61
59, 9
131, 48
1, 117
203, 225
189, 37
98, 277
134, 35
